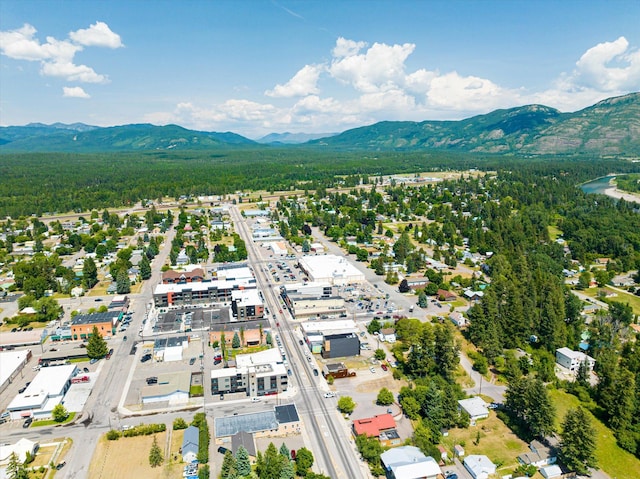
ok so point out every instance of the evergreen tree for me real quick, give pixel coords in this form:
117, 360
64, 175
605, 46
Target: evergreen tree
89, 273
235, 342
287, 471
446, 351
578, 444
304, 461
272, 463
243, 465
96, 346
284, 451
15, 469
145, 268
123, 285
228, 464
155, 454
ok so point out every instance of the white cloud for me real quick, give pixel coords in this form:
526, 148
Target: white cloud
303, 83
380, 66
97, 35
56, 56
74, 92
595, 69
347, 48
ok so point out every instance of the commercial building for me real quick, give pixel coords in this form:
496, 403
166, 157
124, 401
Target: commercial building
204, 293
382, 427
315, 332
257, 374
571, 360
283, 420
247, 305
82, 324
21, 449
172, 388
11, 363
251, 333
45, 391
340, 345
170, 349
332, 269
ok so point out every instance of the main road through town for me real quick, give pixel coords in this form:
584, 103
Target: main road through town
333, 449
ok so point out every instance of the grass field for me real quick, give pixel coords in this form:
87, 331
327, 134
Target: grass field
614, 461
496, 442
622, 297
131, 454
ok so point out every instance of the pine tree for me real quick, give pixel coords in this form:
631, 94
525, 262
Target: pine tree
235, 342
287, 471
123, 285
284, 451
578, 445
96, 346
89, 273
145, 268
243, 465
155, 454
15, 469
228, 464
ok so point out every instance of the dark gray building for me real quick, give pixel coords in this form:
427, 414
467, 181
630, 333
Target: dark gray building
340, 345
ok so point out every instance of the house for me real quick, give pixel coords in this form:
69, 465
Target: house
475, 407
479, 466
458, 319
540, 455
388, 335
473, 295
190, 442
550, 472
20, 449
444, 295
571, 360
408, 462
382, 426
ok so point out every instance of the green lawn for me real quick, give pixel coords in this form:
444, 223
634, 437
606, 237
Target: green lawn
622, 297
554, 232
51, 422
611, 459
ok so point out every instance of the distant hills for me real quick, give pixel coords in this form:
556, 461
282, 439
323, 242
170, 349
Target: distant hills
610, 127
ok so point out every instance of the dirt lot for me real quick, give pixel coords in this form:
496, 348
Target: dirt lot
133, 453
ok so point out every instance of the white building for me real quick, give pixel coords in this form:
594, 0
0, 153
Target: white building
571, 360
11, 363
549, 472
480, 467
332, 269
408, 462
45, 392
20, 449
475, 407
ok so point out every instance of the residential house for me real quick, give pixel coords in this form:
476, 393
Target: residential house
382, 426
444, 295
408, 462
388, 335
475, 407
571, 360
190, 444
549, 472
540, 455
479, 466
458, 319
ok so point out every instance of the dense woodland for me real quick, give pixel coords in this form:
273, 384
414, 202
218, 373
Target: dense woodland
509, 212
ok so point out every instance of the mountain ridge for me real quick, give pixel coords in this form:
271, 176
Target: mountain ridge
609, 127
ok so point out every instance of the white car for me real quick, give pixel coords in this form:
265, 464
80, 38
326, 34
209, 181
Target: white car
329, 395
372, 369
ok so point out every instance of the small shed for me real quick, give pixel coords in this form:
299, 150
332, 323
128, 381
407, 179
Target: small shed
458, 450
444, 455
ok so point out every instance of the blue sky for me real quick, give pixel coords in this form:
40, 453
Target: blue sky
255, 67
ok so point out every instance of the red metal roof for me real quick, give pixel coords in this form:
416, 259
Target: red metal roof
372, 426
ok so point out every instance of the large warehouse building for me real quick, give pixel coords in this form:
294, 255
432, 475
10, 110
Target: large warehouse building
332, 269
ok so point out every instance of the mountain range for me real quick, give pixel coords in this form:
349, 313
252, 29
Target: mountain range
610, 127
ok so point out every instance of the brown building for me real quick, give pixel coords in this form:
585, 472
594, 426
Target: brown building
82, 324
181, 277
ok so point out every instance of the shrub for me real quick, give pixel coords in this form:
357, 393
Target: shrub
113, 435
179, 423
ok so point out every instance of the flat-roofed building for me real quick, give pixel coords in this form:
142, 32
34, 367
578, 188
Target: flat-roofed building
82, 324
45, 391
172, 388
283, 420
571, 360
258, 374
195, 275
204, 293
11, 363
332, 269
247, 304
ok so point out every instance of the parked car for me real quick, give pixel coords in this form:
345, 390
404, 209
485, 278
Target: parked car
372, 369
384, 367
145, 358
315, 372
192, 361
22, 389
222, 450
109, 354
93, 361
152, 380
27, 422
217, 361
329, 395
85, 370
124, 338
301, 342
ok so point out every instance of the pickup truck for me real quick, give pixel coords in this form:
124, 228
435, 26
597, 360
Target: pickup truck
80, 379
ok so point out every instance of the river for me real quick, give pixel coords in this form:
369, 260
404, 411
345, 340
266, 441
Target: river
602, 186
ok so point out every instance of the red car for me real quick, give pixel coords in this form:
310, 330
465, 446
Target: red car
384, 367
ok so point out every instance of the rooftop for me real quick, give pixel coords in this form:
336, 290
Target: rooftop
372, 426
